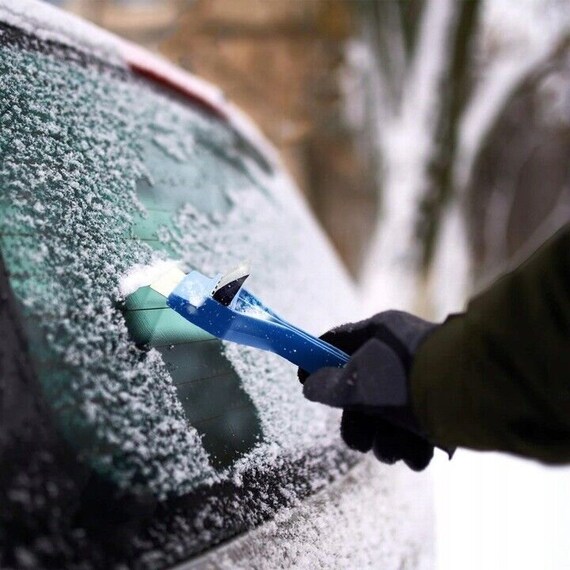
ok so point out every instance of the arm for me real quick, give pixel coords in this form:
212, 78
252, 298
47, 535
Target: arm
497, 377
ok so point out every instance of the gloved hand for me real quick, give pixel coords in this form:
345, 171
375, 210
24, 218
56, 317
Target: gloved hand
373, 388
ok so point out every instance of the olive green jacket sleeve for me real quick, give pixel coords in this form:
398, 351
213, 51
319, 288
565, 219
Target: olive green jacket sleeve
497, 377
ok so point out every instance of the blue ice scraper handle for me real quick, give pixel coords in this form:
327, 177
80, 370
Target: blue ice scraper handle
248, 321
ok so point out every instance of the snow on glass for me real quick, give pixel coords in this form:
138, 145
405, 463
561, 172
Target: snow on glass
369, 520
70, 175
79, 141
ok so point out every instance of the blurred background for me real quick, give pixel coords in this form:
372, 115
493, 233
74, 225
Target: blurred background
432, 140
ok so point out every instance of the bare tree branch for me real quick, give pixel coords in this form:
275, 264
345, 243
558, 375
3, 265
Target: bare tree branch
455, 91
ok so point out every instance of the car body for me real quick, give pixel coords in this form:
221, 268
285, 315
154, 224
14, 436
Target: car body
128, 437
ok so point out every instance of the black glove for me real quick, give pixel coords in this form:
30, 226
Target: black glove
373, 387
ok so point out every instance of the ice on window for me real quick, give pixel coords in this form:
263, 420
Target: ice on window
103, 176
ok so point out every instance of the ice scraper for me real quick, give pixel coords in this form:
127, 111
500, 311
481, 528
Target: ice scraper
221, 306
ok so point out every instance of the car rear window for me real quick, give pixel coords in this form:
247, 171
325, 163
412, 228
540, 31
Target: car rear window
102, 172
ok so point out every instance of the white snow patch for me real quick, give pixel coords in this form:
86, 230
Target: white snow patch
376, 517
142, 275
50, 23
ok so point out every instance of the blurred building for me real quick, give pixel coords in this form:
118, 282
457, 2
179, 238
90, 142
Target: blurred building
144, 21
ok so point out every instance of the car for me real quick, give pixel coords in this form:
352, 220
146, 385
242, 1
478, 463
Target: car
129, 437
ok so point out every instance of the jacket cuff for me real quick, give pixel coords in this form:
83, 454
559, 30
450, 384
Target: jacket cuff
439, 400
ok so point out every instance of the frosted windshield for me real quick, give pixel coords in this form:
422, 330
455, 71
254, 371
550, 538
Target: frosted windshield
100, 173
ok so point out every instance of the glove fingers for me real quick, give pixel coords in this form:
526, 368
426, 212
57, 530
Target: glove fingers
421, 455
349, 337
358, 430
389, 442
328, 386
341, 339
302, 375
392, 443
362, 432
373, 378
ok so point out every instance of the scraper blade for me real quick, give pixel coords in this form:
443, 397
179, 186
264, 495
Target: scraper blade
230, 284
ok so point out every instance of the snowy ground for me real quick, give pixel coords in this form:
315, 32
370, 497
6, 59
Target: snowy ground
495, 511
